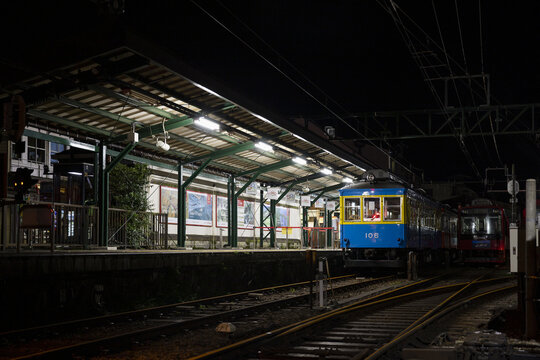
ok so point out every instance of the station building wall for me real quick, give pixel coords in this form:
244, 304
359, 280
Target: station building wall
37, 155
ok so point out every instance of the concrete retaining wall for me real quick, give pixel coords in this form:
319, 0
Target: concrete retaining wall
36, 288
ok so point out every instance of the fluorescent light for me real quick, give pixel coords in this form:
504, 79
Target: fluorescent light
74, 173
299, 160
347, 180
326, 171
264, 146
205, 123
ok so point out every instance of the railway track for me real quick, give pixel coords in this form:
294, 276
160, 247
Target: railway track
86, 336
368, 328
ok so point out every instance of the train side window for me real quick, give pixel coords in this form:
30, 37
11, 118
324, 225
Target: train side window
352, 209
372, 209
392, 209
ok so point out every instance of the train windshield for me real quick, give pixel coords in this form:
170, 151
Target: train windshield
392, 209
481, 222
352, 209
372, 209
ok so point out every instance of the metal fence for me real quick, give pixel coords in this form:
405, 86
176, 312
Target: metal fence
76, 226
137, 229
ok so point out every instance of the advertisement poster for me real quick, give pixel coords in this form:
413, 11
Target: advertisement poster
282, 216
305, 200
273, 193
199, 209
169, 203
246, 213
319, 204
221, 211
330, 205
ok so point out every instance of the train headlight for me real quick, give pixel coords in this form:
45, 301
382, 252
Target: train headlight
370, 177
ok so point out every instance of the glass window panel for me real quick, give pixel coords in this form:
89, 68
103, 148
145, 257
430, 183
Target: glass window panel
31, 154
36, 150
14, 155
56, 148
41, 155
392, 209
352, 209
372, 209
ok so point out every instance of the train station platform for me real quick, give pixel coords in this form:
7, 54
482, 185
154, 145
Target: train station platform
40, 286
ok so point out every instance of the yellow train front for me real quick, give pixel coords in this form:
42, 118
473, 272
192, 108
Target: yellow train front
383, 219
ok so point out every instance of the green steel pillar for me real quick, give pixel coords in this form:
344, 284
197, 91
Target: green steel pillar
329, 224
261, 217
97, 172
182, 193
230, 194
273, 223
233, 217
103, 194
104, 210
181, 213
305, 224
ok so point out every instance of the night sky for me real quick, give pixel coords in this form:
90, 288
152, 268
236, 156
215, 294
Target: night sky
347, 54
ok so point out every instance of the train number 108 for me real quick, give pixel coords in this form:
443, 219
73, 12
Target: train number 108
372, 235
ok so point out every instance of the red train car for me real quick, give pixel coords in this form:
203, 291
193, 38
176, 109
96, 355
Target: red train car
482, 232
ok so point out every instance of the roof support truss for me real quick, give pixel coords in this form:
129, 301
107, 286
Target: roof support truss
520, 119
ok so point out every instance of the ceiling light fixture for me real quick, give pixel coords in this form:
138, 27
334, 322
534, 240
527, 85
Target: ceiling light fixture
300, 160
205, 123
264, 146
326, 171
162, 144
347, 180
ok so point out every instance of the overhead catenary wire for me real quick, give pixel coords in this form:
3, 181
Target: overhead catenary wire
284, 59
484, 77
406, 34
450, 68
470, 85
298, 85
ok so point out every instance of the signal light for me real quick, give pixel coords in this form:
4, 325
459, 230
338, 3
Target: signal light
22, 181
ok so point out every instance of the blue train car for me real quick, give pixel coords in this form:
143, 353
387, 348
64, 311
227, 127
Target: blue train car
383, 219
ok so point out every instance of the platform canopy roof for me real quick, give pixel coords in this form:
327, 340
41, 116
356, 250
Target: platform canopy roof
105, 97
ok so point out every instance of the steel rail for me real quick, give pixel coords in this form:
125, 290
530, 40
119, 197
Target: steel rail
362, 304
173, 326
152, 309
411, 330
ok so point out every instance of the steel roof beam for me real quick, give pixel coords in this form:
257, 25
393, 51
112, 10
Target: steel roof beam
267, 168
219, 113
97, 111
324, 190
221, 153
157, 128
101, 132
68, 123
152, 109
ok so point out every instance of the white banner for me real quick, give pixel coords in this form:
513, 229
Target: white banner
273, 193
331, 205
305, 200
319, 204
